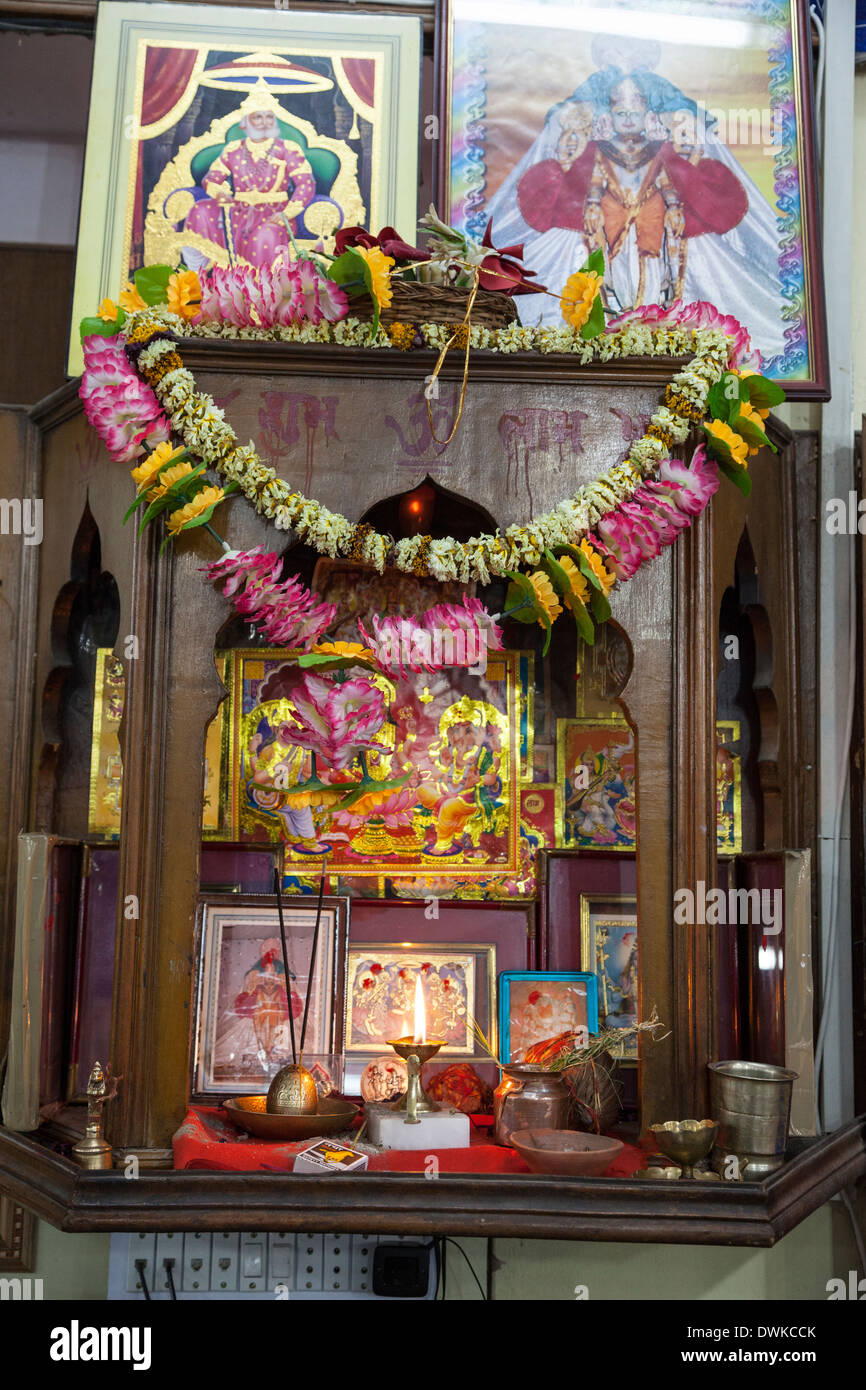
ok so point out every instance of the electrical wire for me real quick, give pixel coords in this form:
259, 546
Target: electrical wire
818, 22
168, 1266
141, 1266
449, 1240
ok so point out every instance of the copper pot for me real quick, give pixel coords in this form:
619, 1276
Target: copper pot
528, 1097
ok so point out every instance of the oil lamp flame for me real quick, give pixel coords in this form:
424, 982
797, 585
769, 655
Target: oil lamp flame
420, 1033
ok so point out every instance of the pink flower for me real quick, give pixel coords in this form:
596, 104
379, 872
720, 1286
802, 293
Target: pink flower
691, 487
637, 530
230, 296
309, 282
120, 406
287, 613
284, 293
283, 297
396, 808
336, 720
333, 302
699, 314
446, 635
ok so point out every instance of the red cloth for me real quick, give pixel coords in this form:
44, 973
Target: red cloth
207, 1140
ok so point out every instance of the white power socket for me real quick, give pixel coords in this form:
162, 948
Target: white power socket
250, 1265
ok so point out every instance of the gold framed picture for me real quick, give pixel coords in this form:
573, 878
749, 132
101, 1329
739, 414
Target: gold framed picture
184, 96
457, 981
609, 948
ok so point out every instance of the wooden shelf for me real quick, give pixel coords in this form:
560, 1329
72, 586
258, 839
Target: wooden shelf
604, 1209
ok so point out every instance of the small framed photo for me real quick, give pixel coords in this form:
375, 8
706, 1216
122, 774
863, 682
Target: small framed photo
609, 947
535, 1005
242, 1027
457, 982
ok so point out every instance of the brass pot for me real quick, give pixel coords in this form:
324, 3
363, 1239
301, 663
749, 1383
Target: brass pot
293, 1092
528, 1097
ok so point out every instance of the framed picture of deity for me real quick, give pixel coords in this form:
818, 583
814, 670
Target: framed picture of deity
243, 1034
676, 136
609, 948
461, 741
537, 1005
220, 135
457, 984
595, 774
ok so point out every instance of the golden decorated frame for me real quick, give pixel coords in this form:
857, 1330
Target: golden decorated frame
115, 132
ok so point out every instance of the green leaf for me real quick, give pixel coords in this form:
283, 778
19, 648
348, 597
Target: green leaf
322, 661
152, 283
522, 606
720, 405
179, 491
521, 590
752, 433
761, 392
370, 785
599, 605
353, 273
595, 263
142, 497
96, 327
584, 622
738, 476
595, 323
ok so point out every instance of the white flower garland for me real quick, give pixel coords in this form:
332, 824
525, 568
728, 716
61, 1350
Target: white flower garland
195, 417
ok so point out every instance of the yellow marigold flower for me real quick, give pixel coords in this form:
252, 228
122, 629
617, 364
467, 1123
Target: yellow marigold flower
184, 294
735, 442
145, 474
380, 271
544, 596
579, 585
130, 299
347, 649
107, 311
597, 565
744, 372
578, 297
402, 335
208, 497
757, 418
168, 479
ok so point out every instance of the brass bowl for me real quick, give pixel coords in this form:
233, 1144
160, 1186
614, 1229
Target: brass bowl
250, 1113
685, 1141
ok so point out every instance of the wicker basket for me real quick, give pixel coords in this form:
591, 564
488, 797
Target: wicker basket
414, 302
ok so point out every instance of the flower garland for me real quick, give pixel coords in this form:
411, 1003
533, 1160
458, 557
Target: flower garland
137, 391
195, 418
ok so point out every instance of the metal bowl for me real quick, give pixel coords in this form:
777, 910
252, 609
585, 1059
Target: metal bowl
685, 1141
249, 1113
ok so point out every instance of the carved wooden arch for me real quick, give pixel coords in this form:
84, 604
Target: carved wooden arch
85, 615
747, 594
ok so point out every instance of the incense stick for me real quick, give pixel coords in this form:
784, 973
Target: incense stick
313, 956
278, 891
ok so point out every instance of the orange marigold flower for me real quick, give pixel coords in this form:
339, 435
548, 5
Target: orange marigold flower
579, 296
